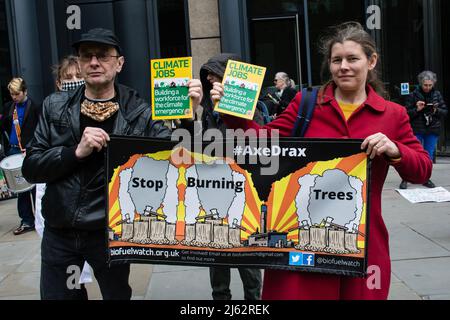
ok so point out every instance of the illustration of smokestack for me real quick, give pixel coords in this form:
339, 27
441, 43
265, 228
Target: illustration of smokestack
263, 218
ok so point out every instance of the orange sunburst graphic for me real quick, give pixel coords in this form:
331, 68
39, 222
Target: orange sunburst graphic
113, 205
251, 215
282, 213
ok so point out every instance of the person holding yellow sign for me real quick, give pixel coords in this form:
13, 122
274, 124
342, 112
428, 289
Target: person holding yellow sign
213, 71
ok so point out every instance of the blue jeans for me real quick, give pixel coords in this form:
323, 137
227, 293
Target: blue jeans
24, 204
429, 142
63, 253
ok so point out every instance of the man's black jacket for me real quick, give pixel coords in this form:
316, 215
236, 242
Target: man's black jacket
70, 201
30, 121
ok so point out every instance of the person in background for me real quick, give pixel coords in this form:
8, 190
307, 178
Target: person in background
285, 92
350, 106
68, 74
67, 78
18, 122
426, 109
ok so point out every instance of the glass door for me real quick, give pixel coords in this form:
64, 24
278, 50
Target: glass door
275, 44
5, 62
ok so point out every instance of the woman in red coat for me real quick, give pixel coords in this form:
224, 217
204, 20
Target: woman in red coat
350, 106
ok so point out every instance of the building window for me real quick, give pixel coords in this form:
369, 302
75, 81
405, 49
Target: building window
277, 38
274, 41
402, 53
5, 65
271, 7
172, 28
322, 15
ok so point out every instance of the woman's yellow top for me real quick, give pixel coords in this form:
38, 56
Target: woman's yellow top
347, 109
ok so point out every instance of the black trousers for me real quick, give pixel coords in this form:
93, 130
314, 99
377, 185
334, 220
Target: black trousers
220, 282
63, 255
25, 207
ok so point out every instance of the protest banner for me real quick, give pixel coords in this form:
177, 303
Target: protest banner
169, 80
242, 85
208, 209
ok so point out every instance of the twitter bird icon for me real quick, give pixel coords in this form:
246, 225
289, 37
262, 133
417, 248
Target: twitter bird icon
295, 258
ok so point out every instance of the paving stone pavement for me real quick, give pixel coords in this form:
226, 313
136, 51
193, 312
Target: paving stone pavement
419, 245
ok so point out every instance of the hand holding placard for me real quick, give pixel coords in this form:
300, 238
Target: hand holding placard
171, 91
195, 93
217, 92
241, 87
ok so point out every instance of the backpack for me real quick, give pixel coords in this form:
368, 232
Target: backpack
305, 111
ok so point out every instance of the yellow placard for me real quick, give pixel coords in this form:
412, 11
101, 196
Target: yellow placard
169, 81
242, 85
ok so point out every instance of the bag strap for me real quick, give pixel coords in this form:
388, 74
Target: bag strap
265, 111
305, 111
16, 124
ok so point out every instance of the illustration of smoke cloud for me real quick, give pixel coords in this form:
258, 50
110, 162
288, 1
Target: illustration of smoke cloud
171, 198
306, 183
237, 207
150, 171
356, 184
191, 202
214, 198
321, 206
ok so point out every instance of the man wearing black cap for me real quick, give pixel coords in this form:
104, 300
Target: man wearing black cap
67, 154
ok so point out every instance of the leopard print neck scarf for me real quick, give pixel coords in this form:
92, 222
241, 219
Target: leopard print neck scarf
99, 111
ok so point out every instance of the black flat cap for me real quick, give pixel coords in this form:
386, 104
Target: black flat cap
99, 35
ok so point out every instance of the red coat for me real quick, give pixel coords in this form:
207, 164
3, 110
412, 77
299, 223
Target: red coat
328, 121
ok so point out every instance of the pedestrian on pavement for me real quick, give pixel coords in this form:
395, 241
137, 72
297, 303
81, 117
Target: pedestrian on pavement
67, 153
350, 106
210, 72
18, 123
67, 78
426, 110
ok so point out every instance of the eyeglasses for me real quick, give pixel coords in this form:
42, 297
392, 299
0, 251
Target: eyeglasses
276, 80
102, 56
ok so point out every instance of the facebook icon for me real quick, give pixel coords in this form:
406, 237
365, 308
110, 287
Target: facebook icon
308, 260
